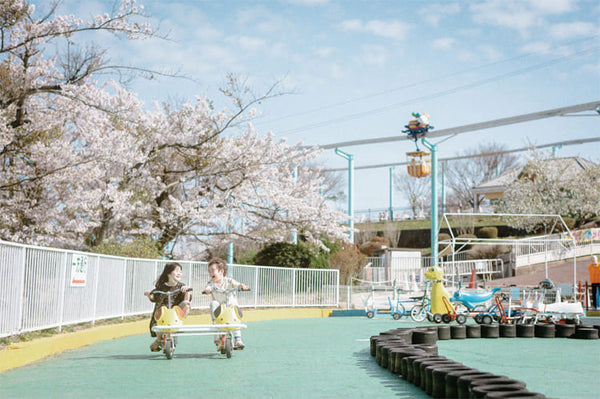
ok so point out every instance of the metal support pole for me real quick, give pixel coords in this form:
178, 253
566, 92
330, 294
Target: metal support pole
350, 159
391, 194
230, 253
444, 164
434, 201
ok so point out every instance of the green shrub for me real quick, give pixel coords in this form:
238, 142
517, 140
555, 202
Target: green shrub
322, 258
138, 248
468, 246
284, 254
488, 232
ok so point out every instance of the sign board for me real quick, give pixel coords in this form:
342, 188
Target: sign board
79, 267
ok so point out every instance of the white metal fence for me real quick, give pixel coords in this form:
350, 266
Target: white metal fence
44, 288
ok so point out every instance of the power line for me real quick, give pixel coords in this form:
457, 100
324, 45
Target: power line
481, 82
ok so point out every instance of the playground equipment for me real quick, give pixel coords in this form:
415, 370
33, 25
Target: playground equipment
533, 310
169, 323
438, 291
419, 163
396, 309
477, 304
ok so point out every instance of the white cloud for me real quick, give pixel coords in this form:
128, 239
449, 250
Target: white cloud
553, 6
390, 29
374, 55
325, 51
306, 2
444, 43
507, 14
570, 30
435, 12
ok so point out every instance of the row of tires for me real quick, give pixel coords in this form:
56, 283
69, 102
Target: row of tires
412, 353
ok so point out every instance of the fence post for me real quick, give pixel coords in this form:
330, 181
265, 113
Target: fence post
256, 272
63, 275
123, 288
95, 304
294, 288
22, 290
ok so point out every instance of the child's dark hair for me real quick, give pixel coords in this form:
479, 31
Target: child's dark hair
220, 263
164, 276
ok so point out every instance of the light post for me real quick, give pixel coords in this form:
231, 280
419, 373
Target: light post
350, 159
434, 202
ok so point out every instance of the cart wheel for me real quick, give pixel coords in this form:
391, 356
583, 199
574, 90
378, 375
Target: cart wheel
396, 316
370, 314
478, 318
430, 317
461, 318
228, 346
487, 319
446, 318
169, 348
418, 313
437, 318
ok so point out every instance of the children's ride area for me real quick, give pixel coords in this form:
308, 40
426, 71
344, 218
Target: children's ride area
320, 357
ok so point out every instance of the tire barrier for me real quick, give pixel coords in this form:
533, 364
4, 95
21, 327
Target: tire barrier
458, 331
525, 330
544, 330
490, 331
412, 353
473, 331
438, 378
481, 391
444, 332
564, 331
518, 394
508, 330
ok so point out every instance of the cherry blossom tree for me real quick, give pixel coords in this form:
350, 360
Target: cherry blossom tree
551, 186
85, 162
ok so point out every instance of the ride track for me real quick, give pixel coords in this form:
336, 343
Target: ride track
293, 358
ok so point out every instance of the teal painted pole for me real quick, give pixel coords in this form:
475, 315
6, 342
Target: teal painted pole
350, 159
392, 194
295, 231
444, 164
434, 201
230, 253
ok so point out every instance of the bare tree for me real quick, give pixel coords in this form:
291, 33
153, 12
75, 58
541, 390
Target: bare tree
415, 190
475, 167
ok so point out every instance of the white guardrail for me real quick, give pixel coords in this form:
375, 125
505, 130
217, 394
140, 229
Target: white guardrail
43, 288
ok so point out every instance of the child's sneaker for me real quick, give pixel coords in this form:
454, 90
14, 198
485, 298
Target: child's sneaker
156, 346
238, 344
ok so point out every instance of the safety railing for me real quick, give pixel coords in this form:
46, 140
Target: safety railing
43, 288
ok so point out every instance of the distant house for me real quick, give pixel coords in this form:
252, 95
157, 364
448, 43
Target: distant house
493, 189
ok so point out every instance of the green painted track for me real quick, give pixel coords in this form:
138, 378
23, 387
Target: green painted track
294, 358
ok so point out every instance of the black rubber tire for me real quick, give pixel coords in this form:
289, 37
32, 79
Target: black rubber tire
525, 330
452, 381
517, 394
424, 337
444, 332
418, 313
490, 330
228, 346
437, 318
418, 371
404, 363
508, 330
169, 349
370, 314
461, 318
544, 330
458, 332
586, 333
438, 378
430, 349
487, 319
500, 380
464, 382
429, 317
473, 331
407, 366
478, 318
427, 374
481, 391
446, 318
564, 331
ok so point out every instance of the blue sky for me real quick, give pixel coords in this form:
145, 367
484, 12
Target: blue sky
357, 69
